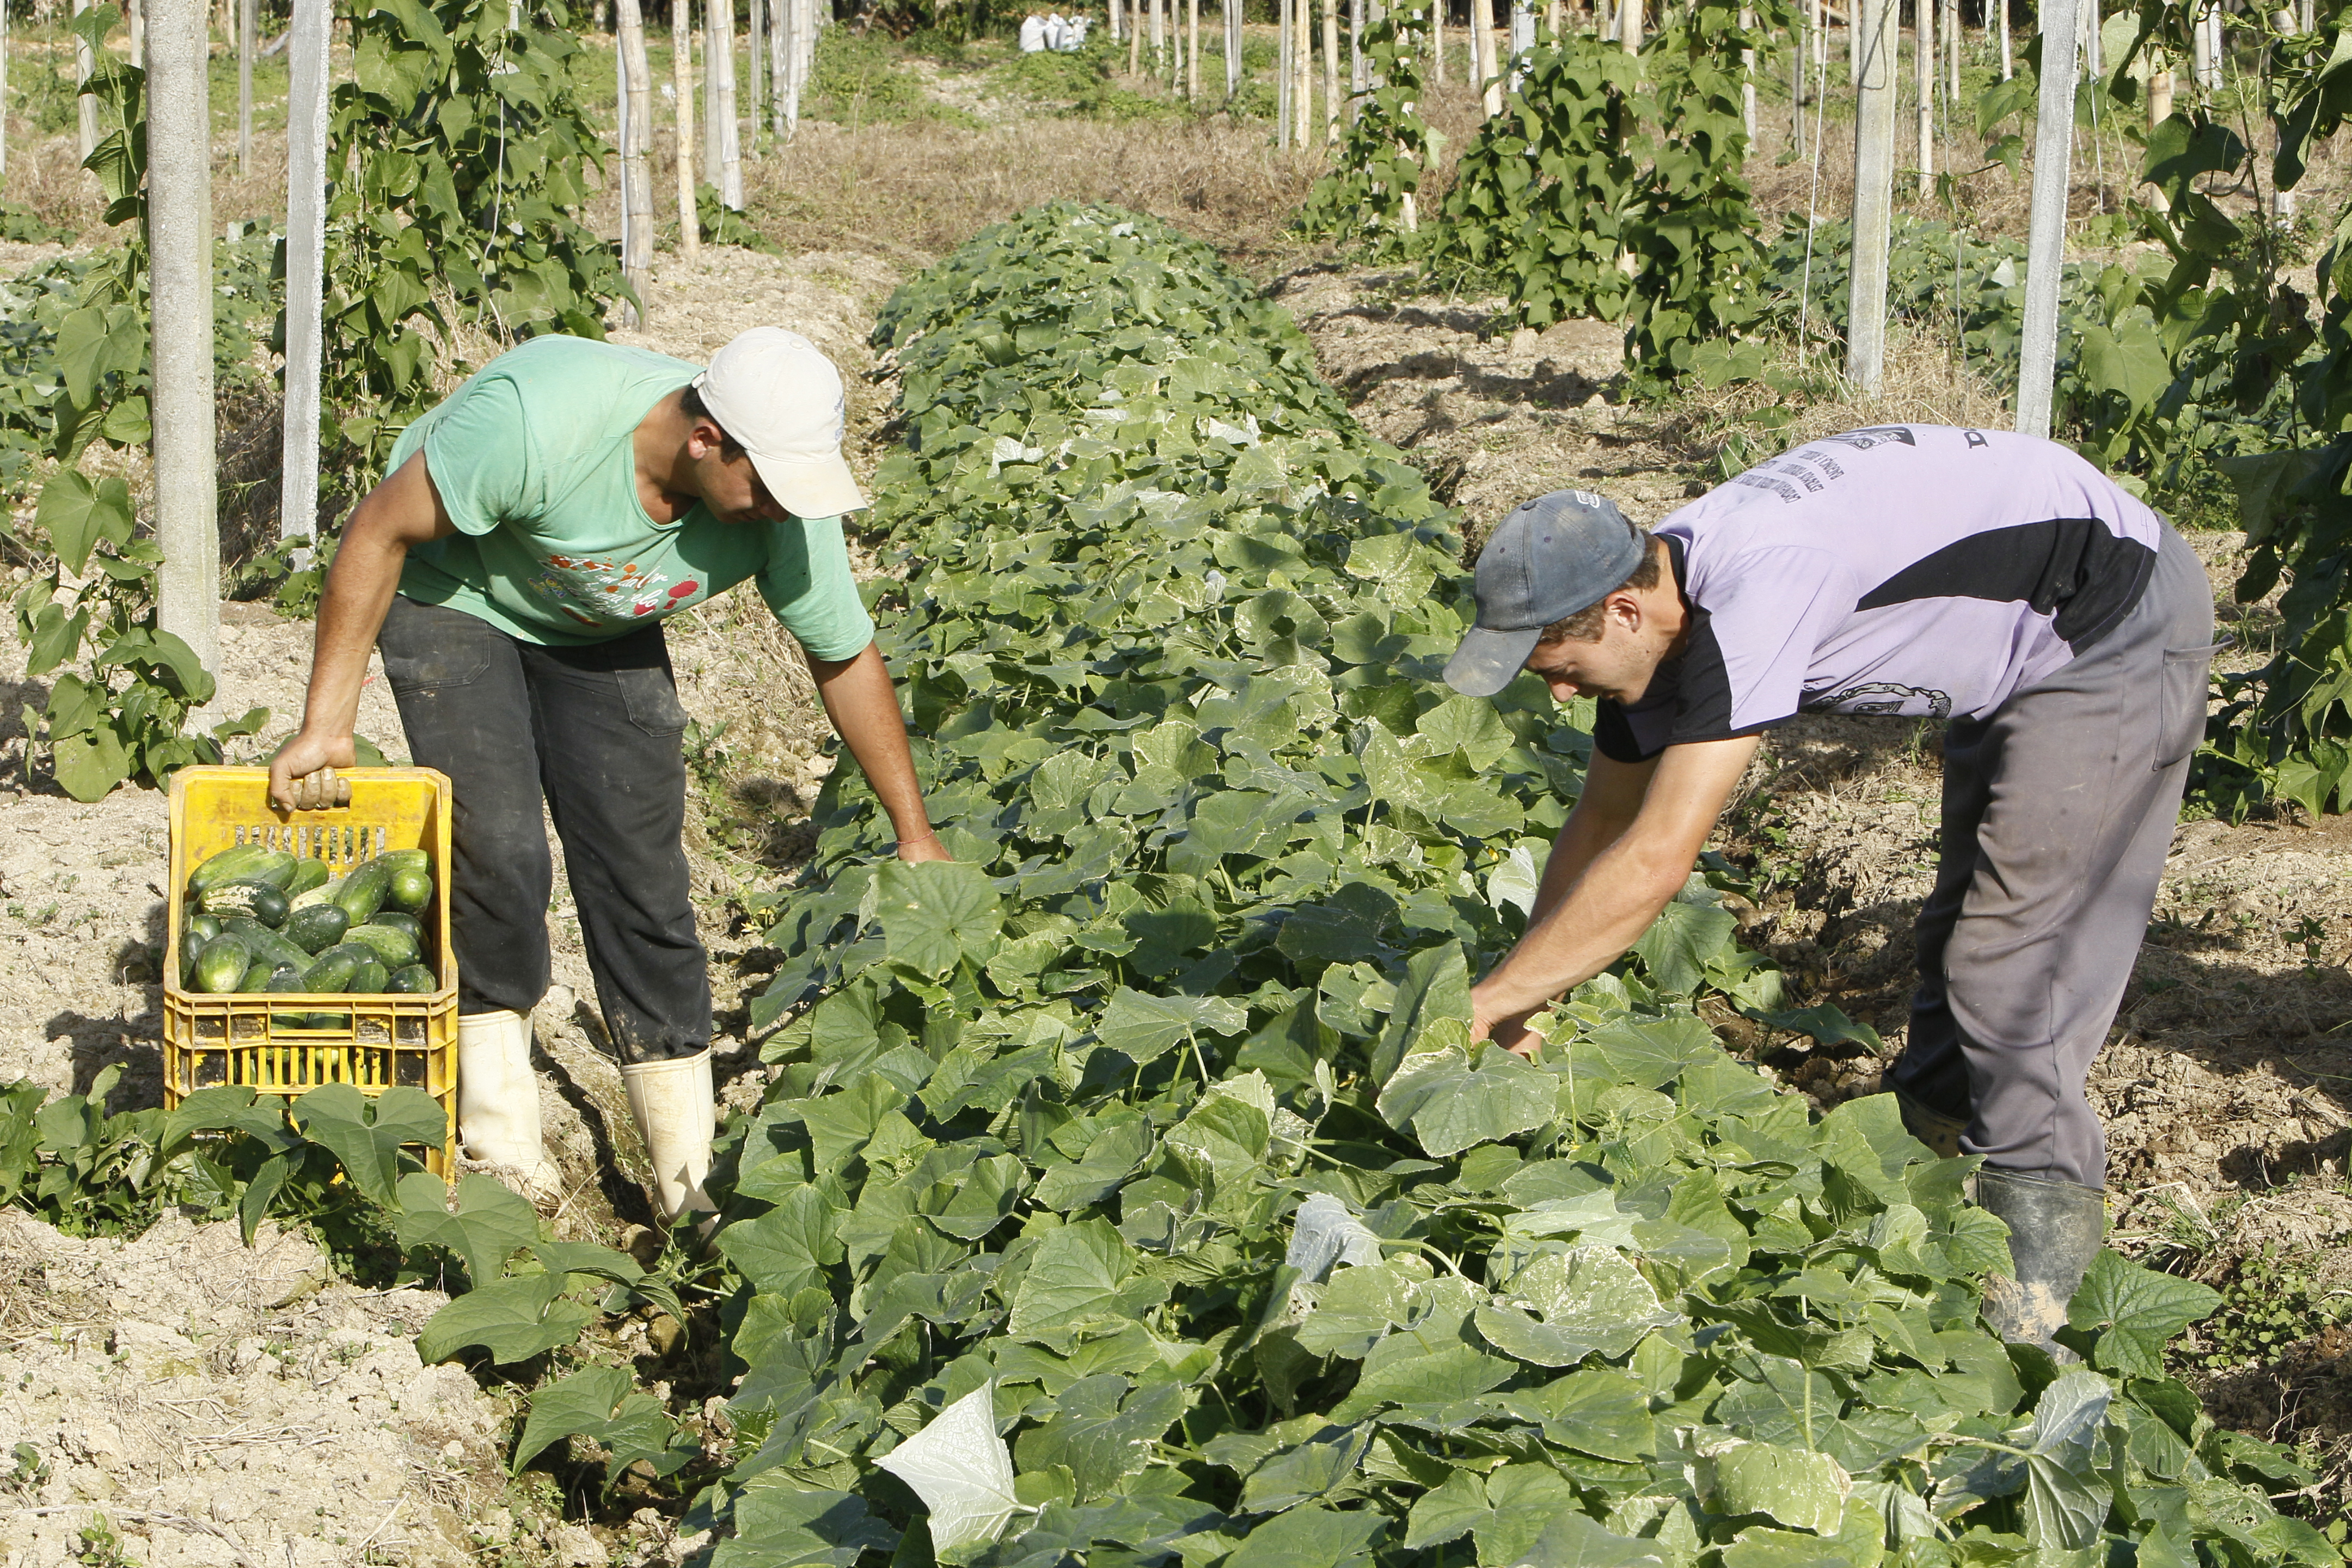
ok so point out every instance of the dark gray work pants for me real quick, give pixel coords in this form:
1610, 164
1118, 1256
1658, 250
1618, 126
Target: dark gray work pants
596, 731
2058, 809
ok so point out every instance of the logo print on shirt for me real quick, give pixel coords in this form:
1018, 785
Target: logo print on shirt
596, 593
1976, 437
1870, 436
1881, 699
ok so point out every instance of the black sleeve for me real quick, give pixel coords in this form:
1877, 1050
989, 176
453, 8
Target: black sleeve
1689, 700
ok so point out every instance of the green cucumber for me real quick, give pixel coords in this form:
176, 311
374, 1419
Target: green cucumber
332, 970
364, 891
324, 893
309, 872
411, 890
220, 967
368, 980
415, 980
392, 947
399, 922
262, 900
242, 861
316, 927
205, 926
264, 976
398, 860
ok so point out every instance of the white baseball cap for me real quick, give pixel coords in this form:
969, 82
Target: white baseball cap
775, 392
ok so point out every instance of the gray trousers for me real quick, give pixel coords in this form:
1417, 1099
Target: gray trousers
2058, 809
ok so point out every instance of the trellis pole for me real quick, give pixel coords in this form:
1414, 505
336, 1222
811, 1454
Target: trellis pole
1192, 90
1747, 76
309, 32
85, 106
719, 71
4, 90
1952, 54
1302, 59
755, 56
1873, 192
681, 71
1332, 100
1230, 12
1629, 24
180, 281
2045, 245
1282, 72
1923, 61
1490, 65
2008, 56
246, 26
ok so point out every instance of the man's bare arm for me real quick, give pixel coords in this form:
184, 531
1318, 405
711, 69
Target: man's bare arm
402, 511
1620, 872
864, 707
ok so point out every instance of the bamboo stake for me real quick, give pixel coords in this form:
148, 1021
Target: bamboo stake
1874, 193
1629, 24
135, 13
1135, 43
2008, 58
246, 27
1356, 66
1923, 62
681, 71
309, 33
1332, 102
4, 92
708, 45
180, 280
1437, 43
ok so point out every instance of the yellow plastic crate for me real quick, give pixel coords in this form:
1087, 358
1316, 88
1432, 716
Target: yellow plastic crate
411, 1041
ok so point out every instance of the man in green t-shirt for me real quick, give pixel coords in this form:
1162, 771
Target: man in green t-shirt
514, 568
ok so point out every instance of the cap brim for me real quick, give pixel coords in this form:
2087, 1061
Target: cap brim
810, 487
1488, 661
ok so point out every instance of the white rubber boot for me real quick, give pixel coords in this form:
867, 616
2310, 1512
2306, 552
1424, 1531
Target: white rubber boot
677, 1113
498, 1104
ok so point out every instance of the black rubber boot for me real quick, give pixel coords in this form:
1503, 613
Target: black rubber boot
1940, 1132
2054, 1230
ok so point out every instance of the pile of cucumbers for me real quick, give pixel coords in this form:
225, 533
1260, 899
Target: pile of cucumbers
263, 919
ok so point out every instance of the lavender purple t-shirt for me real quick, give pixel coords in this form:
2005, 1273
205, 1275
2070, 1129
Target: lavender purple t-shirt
1912, 569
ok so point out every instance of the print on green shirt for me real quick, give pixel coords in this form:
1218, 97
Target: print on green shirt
534, 461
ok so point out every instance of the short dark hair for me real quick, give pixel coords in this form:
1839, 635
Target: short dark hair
690, 403
1585, 626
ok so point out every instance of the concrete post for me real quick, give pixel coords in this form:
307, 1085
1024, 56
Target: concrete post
180, 280
2045, 245
312, 30
1873, 192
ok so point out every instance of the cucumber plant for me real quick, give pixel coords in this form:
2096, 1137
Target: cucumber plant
1133, 1189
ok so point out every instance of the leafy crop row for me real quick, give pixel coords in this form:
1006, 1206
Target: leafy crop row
1134, 1192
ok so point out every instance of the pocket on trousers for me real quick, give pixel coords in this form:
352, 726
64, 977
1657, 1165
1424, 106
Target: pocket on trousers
650, 695
2181, 725
458, 662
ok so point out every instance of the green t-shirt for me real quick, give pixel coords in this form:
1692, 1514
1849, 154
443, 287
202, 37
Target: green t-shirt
534, 461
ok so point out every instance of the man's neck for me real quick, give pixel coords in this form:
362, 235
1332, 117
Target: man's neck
666, 482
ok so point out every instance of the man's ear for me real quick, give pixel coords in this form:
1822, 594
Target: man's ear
703, 438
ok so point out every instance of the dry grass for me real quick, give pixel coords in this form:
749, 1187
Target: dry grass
916, 191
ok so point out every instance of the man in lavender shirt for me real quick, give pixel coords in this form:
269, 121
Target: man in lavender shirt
1993, 582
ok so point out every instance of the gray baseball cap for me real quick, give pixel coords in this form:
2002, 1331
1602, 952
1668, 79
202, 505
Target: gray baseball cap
1551, 557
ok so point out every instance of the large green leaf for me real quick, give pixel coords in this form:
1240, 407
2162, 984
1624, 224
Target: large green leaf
937, 913
2136, 1312
512, 1319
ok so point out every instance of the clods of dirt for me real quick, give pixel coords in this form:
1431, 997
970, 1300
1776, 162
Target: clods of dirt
207, 1403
